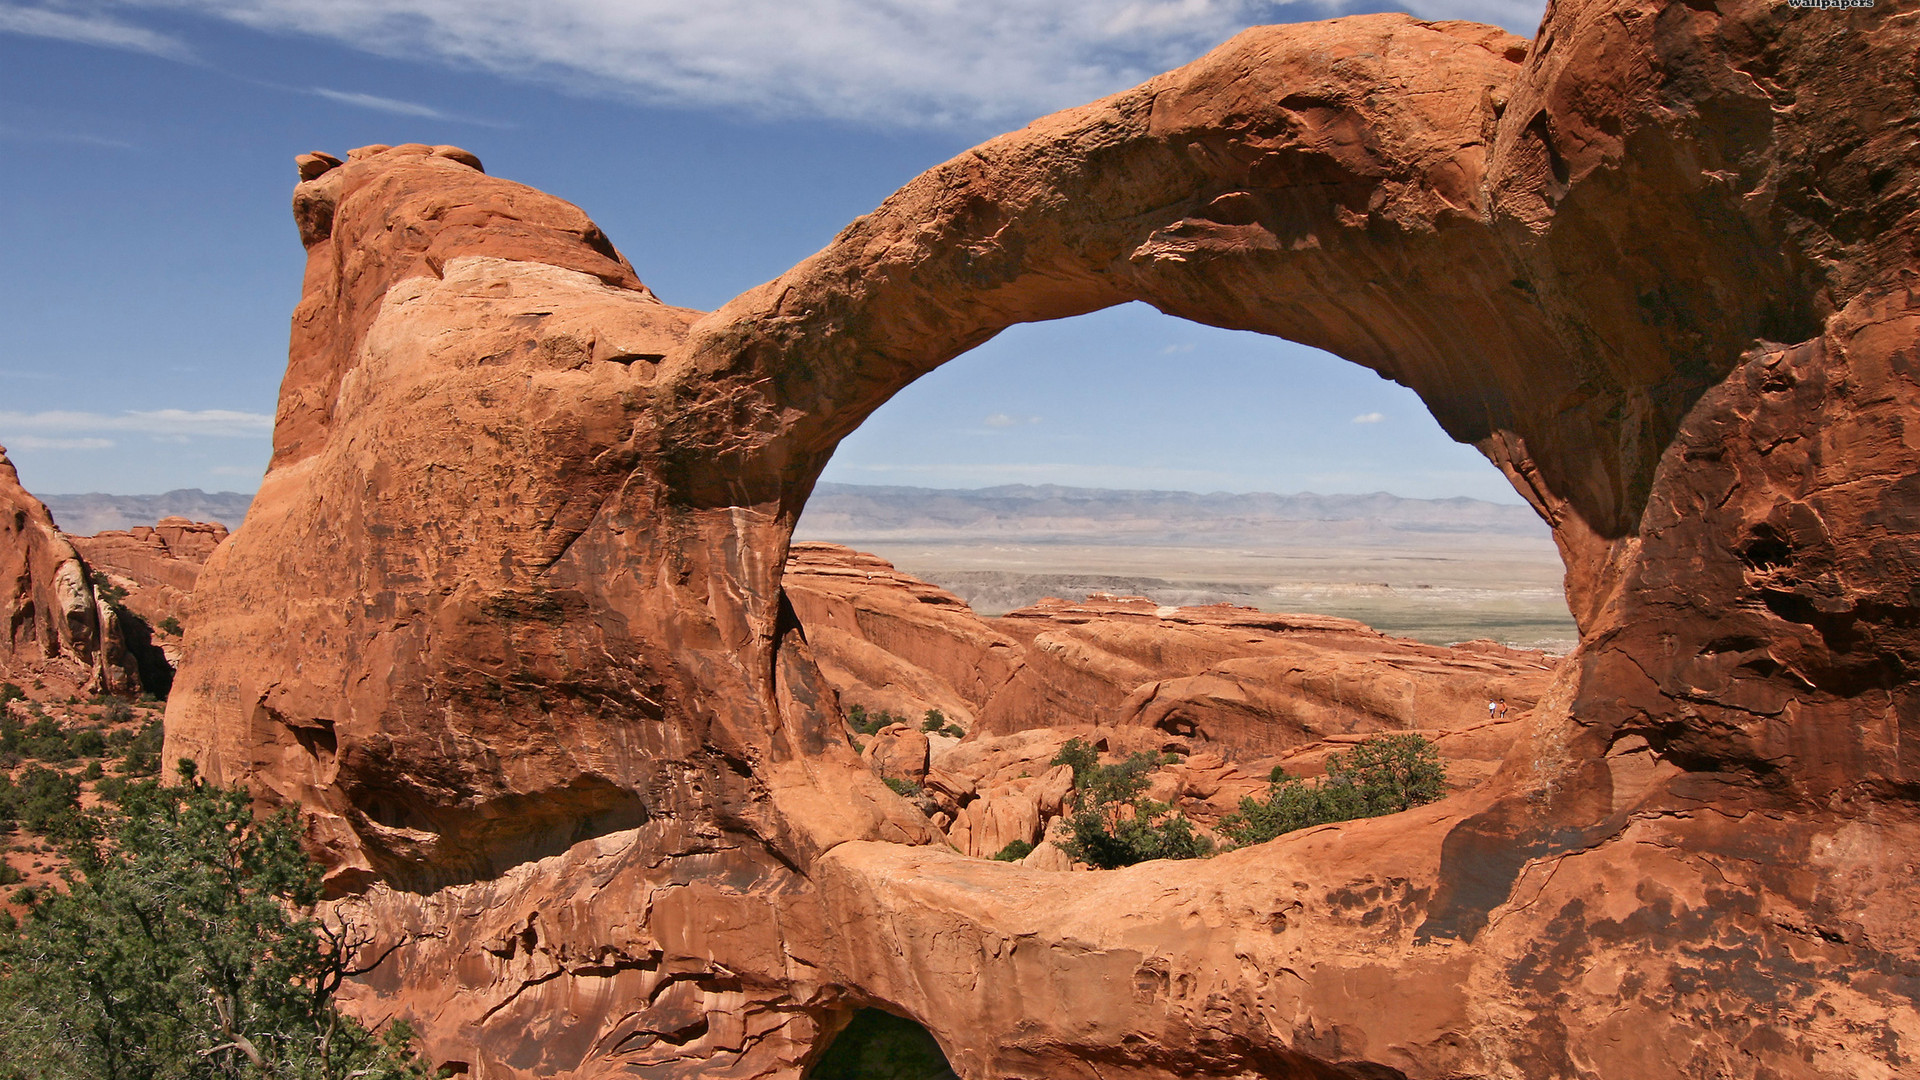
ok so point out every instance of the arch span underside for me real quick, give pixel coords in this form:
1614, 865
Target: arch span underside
549, 717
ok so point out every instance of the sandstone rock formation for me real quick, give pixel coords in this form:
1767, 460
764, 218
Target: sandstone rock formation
507, 619
61, 639
156, 565
1246, 683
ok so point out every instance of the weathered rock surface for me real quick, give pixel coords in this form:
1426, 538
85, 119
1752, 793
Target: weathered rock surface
61, 639
157, 566
1249, 683
507, 618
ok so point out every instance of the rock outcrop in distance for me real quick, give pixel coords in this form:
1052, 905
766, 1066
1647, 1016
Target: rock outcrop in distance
61, 638
1247, 683
507, 620
154, 568
1233, 692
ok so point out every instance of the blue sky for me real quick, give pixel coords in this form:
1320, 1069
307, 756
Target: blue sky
148, 261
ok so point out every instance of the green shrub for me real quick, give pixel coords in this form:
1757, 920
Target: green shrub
870, 723
955, 731
1113, 823
45, 739
44, 801
903, 787
1013, 852
142, 757
1383, 775
170, 626
187, 948
933, 721
9, 875
87, 742
11, 692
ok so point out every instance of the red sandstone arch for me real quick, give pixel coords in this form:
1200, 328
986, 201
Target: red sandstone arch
507, 620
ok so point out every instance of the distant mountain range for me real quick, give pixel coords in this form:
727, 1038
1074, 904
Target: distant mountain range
850, 512
84, 515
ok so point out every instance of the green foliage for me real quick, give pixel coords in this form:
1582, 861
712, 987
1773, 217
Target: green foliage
1383, 775
186, 948
86, 743
1113, 823
170, 626
881, 1046
1013, 852
866, 723
9, 874
11, 692
46, 740
903, 787
142, 757
933, 721
108, 591
44, 801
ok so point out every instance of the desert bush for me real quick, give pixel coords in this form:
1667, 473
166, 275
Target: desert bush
142, 756
1113, 823
186, 947
44, 801
1383, 775
86, 742
907, 788
1013, 852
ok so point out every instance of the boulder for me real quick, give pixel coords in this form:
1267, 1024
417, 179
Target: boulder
898, 752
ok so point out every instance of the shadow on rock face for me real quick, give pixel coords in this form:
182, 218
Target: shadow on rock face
878, 1045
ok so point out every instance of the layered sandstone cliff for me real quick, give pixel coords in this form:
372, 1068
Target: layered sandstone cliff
153, 568
508, 619
61, 638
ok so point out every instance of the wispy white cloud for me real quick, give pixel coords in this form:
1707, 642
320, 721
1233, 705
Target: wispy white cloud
71, 138
39, 442
1001, 421
920, 62
164, 423
89, 29
1369, 418
380, 104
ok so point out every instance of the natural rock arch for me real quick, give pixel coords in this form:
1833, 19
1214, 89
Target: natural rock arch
506, 618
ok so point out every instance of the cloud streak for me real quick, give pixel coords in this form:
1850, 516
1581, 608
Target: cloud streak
40, 442
891, 62
90, 29
163, 423
379, 104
